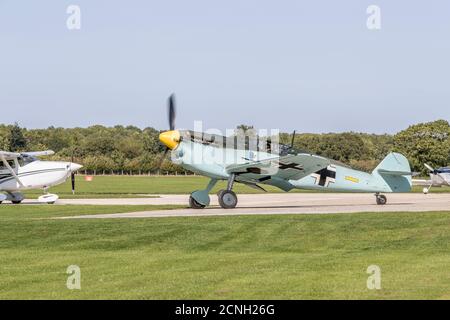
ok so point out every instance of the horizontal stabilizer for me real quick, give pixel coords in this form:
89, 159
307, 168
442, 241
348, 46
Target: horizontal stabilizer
395, 173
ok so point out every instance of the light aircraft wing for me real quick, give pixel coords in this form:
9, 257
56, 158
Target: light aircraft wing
277, 171
9, 155
39, 153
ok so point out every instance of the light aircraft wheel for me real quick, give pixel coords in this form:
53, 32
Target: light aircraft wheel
227, 199
381, 200
194, 204
1, 202
17, 202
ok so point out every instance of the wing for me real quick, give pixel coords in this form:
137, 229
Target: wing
278, 171
9, 155
39, 153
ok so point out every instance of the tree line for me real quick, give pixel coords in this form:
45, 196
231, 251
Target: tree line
131, 149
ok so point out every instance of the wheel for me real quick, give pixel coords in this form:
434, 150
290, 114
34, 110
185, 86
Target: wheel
1, 202
51, 202
17, 202
194, 204
227, 199
381, 200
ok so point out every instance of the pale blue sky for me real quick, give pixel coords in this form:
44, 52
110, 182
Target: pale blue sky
306, 65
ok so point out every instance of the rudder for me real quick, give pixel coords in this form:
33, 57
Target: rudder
395, 170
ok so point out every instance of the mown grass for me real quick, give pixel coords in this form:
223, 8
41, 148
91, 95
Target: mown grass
239, 257
140, 186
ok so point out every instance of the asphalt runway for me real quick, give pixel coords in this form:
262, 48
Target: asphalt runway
277, 203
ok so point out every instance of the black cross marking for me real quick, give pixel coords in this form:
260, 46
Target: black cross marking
325, 176
296, 166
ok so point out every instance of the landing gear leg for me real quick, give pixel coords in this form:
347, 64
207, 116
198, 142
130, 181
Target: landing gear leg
200, 199
427, 190
227, 198
3, 197
381, 199
15, 197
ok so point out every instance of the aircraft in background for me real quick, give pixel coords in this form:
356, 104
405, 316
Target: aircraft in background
24, 171
438, 178
286, 168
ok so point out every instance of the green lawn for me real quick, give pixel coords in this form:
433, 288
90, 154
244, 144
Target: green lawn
137, 186
240, 257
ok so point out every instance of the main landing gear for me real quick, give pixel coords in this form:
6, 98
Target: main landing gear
381, 199
227, 198
15, 197
200, 199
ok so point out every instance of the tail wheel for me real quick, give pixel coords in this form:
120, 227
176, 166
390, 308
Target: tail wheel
227, 199
194, 204
381, 200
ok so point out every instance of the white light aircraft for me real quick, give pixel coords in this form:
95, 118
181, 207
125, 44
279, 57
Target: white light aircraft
24, 171
439, 178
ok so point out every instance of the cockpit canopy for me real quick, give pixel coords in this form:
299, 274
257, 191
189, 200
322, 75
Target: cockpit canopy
26, 159
254, 143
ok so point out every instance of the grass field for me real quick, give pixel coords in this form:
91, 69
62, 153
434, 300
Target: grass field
254, 257
138, 186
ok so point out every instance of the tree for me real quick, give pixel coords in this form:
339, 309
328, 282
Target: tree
5, 134
16, 139
425, 143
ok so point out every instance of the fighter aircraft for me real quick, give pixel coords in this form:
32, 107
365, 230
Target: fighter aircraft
222, 158
439, 178
24, 171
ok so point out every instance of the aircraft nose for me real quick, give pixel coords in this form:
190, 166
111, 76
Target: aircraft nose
171, 139
75, 167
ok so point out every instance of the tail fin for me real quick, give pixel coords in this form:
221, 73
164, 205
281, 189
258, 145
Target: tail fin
396, 172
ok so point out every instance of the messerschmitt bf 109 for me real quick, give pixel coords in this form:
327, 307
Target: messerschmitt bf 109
24, 171
221, 158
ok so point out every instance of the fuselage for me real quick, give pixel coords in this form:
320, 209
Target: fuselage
442, 177
212, 161
36, 175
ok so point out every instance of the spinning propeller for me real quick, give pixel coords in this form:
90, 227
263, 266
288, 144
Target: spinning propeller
172, 137
171, 111
74, 167
72, 176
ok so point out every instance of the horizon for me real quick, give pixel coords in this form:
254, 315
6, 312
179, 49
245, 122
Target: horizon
208, 129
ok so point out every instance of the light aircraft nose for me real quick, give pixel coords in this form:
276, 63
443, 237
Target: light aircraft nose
75, 167
171, 139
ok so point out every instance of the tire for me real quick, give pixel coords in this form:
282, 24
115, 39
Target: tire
1, 202
194, 204
228, 199
381, 200
17, 202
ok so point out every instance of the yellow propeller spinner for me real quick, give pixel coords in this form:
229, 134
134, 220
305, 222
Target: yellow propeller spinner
170, 139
